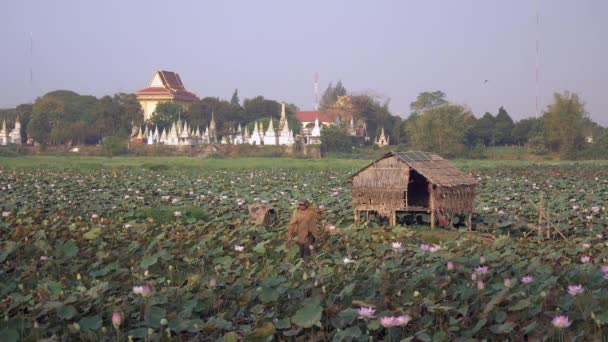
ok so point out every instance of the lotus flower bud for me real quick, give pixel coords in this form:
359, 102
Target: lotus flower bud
146, 291
163, 321
116, 319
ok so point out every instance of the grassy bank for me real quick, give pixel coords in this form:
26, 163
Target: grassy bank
162, 163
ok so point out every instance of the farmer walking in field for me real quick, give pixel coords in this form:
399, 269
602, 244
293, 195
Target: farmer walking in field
304, 224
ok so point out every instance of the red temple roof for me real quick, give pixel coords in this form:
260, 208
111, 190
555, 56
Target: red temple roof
172, 86
310, 116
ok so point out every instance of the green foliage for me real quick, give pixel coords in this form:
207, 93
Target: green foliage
64, 117
166, 114
441, 129
428, 100
335, 140
76, 268
564, 121
331, 94
114, 146
234, 100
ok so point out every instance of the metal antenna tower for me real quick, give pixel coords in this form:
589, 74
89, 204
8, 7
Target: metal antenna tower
537, 109
31, 60
316, 90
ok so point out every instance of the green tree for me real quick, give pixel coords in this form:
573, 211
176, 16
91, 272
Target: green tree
564, 121
525, 129
259, 107
331, 94
108, 116
428, 100
335, 140
441, 129
166, 114
482, 133
131, 111
234, 100
503, 128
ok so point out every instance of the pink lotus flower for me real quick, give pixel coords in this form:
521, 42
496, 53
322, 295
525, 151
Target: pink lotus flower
507, 282
311, 247
387, 321
604, 268
473, 276
137, 289
6, 213
561, 322
450, 265
527, 279
585, 259
575, 290
434, 248
366, 312
44, 258
595, 209
177, 213
146, 291
586, 245
482, 259
116, 319
392, 321
425, 247
480, 285
239, 248
94, 216
212, 282
331, 227
575, 207
481, 269
402, 321
396, 246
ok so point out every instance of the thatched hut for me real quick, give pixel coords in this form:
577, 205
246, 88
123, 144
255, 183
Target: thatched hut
412, 182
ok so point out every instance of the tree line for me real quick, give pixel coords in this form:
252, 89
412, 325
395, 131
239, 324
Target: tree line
437, 125
65, 117
434, 124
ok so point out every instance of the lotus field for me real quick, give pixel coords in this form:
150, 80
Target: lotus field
168, 254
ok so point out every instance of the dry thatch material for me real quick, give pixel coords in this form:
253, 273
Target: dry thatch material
411, 181
262, 214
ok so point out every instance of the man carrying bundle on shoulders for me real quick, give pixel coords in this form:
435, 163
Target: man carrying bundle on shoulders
304, 224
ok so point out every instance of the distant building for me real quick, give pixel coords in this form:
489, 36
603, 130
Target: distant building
382, 140
10, 137
165, 86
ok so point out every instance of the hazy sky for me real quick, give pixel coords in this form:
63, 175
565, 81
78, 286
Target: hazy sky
395, 49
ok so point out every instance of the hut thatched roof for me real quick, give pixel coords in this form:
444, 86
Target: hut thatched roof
434, 168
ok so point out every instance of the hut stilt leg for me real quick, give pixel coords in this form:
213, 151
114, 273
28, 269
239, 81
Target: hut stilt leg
469, 224
356, 218
432, 205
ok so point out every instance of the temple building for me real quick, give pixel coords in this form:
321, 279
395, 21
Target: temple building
165, 86
382, 140
10, 137
270, 138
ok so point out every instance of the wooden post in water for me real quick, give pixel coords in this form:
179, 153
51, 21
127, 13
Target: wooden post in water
540, 215
432, 198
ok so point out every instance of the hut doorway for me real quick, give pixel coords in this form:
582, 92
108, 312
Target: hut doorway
417, 191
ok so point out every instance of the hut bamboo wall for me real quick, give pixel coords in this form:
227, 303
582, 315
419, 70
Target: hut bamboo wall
381, 187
